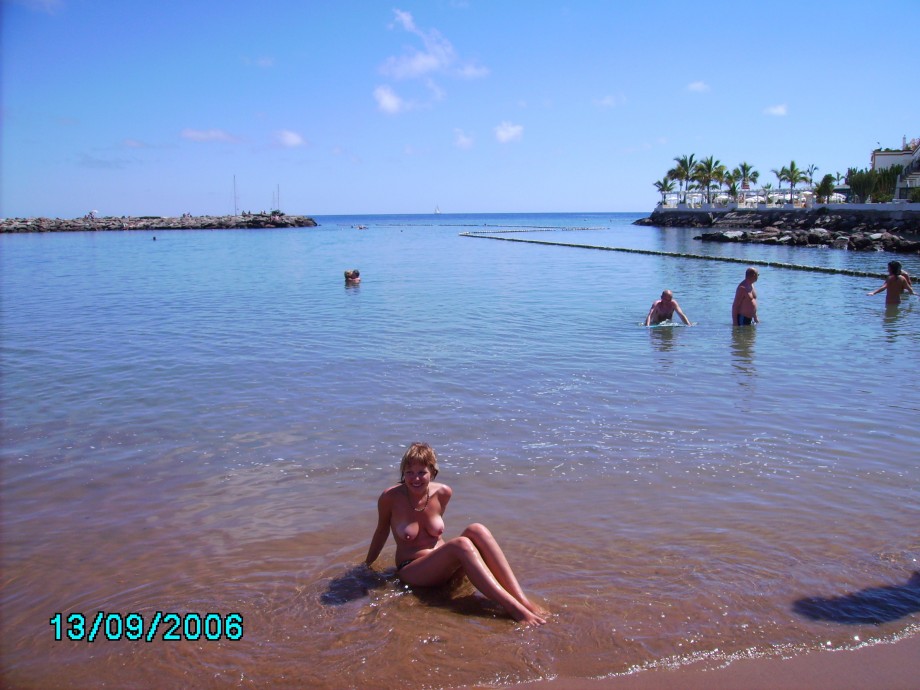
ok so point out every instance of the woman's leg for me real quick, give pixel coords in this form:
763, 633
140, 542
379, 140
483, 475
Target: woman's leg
437, 567
495, 560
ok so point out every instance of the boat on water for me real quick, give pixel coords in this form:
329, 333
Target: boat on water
437, 210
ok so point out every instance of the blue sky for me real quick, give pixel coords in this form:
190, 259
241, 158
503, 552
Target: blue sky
133, 107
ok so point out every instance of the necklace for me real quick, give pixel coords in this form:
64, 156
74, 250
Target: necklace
427, 498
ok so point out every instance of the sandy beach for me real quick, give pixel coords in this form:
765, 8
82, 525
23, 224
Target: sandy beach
890, 666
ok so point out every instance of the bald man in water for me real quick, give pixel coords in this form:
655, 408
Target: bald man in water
663, 309
744, 307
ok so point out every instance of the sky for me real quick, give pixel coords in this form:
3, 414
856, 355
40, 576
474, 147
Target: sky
143, 107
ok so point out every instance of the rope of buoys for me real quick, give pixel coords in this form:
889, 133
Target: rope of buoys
654, 252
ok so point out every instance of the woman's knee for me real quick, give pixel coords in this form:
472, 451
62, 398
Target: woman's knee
462, 544
477, 531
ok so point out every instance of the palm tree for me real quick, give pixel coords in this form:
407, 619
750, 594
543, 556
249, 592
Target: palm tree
810, 174
664, 185
705, 172
793, 176
683, 171
746, 173
781, 175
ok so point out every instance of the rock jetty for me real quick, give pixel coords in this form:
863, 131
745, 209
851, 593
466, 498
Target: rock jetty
186, 222
862, 230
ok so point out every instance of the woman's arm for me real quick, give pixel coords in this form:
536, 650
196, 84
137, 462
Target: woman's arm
875, 292
384, 509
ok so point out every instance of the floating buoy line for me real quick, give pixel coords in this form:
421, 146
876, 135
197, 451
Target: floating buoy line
493, 235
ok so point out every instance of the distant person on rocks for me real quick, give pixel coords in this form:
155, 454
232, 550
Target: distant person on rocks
663, 309
744, 307
352, 277
895, 284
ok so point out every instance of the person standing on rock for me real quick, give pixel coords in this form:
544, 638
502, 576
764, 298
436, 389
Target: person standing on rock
895, 284
744, 307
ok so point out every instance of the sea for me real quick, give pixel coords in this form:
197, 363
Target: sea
197, 424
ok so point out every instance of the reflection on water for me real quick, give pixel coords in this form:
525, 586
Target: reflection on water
742, 348
895, 322
662, 338
205, 423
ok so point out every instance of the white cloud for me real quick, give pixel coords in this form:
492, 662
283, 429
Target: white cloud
207, 135
776, 110
289, 139
436, 56
264, 61
47, 6
437, 93
610, 101
698, 87
472, 71
506, 132
133, 144
462, 140
388, 101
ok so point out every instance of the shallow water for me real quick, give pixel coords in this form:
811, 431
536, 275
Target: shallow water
203, 424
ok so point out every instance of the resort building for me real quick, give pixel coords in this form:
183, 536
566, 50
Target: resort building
908, 157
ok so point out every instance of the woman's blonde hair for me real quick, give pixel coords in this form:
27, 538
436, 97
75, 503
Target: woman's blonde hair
419, 453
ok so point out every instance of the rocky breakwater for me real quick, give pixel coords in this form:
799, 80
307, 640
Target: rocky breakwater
864, 230
187, 222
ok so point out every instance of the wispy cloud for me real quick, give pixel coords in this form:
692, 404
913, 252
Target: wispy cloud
610, 101
264, 62
134, 144
388, 101
88, 160
507, 131
776, 110
698, 87
462, 140
289, 139
46, 6
208, 135
435, 56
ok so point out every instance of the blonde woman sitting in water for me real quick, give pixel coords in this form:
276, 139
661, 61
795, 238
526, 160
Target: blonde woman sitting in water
414, 511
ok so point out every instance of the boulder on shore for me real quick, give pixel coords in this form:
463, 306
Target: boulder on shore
860, 229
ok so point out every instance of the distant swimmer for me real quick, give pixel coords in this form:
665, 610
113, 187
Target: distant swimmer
663, 309
352, 277
895, 284
744, 307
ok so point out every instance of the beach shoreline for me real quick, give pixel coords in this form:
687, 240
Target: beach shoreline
893, 666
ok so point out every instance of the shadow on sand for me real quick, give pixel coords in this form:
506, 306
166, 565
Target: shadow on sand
874, 605
352, 585
458, 595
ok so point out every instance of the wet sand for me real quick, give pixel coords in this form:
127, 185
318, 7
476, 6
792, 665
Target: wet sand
890, 666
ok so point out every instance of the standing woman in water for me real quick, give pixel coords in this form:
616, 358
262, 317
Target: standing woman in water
414, 511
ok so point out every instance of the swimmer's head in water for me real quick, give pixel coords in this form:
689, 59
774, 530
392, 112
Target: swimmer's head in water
419, 454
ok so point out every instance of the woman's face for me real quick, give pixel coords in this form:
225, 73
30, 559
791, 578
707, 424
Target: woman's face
417, 476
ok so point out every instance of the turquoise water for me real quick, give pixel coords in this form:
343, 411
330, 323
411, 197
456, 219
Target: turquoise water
204, 422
